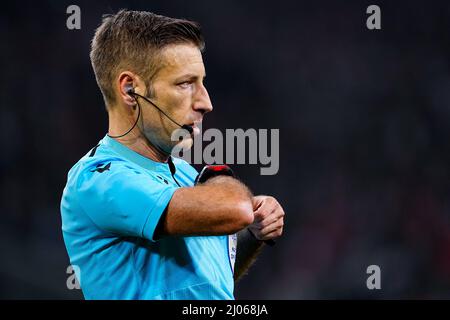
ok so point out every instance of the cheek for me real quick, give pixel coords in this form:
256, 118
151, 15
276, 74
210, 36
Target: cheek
180, 104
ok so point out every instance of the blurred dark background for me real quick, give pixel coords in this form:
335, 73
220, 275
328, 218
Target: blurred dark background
364, 119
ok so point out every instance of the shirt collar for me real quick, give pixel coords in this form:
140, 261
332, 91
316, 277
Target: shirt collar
133, 156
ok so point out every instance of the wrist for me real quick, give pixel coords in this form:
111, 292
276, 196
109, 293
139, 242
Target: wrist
253, 235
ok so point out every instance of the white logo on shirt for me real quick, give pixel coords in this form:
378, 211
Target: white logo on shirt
232, 246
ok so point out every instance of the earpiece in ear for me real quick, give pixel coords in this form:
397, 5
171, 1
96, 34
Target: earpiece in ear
129, 89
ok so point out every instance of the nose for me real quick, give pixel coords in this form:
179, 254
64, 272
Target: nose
202, 101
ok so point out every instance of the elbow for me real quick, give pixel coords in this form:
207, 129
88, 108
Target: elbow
243, 214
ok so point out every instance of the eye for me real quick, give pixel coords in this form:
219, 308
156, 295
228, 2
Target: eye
185, 84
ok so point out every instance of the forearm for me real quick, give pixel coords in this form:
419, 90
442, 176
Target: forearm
248, 248
222, 205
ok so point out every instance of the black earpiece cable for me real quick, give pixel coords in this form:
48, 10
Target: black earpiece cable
151, 102
135, 95
134, 125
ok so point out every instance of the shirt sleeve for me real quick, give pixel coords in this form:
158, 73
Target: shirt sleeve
122, 199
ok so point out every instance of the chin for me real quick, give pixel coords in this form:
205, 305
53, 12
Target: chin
182, 136
185, 144
179, 149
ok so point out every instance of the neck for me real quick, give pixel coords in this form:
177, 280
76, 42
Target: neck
119, 123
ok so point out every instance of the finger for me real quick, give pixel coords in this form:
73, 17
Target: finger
273, 235
277, 214
257, 201
272, 227
257, 213
267, 221
267, 207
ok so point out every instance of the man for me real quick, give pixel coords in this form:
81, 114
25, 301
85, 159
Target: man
135, 220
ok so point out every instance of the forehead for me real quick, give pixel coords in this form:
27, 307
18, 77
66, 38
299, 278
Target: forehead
179, 59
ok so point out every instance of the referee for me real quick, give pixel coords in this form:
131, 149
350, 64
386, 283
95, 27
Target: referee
137, 222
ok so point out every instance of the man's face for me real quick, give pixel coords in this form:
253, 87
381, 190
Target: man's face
179, 91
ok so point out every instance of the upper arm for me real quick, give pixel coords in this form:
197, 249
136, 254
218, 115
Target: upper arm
123, 200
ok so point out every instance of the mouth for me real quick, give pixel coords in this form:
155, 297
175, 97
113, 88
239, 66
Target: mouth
195, 123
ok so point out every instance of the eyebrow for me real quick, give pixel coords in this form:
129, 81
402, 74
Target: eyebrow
189, 76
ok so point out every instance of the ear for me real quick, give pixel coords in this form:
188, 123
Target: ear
127, 81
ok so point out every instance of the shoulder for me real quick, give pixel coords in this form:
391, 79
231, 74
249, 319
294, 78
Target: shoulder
101, 165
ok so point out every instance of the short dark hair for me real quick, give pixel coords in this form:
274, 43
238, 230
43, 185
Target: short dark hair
132, 40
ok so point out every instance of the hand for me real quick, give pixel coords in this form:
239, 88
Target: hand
269, 218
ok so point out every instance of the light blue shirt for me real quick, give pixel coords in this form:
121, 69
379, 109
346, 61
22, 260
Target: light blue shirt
111, 205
